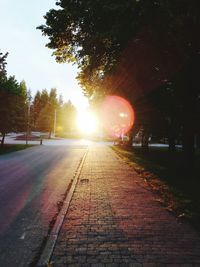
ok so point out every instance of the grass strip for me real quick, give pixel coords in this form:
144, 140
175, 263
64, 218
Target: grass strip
163, 172
8, 148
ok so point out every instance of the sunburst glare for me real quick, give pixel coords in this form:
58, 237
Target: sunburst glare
87, 122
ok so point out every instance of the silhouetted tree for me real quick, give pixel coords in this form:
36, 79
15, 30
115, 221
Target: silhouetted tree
12, 107
152, 43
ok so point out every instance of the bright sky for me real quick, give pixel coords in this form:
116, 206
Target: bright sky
28, 58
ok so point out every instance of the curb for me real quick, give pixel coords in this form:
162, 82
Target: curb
52, 238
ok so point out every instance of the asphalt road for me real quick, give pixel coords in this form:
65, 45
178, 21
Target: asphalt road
32, 185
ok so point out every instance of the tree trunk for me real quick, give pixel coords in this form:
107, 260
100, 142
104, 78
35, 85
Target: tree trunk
172, 135
188, 145
188, 132
130, 142
172, 145
197, 141
145, 140
3, 138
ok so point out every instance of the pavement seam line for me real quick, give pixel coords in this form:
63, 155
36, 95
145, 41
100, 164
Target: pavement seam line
51, 242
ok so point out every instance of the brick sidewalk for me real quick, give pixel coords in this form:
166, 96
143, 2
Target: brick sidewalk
114, 220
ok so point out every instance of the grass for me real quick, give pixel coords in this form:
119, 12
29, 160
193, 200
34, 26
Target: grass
175, 188
12, 148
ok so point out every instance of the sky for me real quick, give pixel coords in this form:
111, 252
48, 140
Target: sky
28, 57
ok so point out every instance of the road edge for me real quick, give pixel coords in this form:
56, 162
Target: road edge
47, 252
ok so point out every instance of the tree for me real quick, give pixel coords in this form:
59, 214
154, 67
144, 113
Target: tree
153, 42
39, 103
66, 117
22, 103
188, 89
44, 121
36, 108
12, 107
91, 32
3, 66
47, 104
13, 102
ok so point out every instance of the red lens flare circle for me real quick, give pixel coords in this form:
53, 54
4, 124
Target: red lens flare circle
117, 115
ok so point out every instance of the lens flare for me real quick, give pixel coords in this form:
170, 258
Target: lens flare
117, 115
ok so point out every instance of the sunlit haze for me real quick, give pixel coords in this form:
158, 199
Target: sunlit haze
87, 122
28, 58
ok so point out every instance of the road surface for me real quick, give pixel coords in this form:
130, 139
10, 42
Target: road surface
33, 183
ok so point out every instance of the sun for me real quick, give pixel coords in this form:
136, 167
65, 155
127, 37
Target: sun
87, 122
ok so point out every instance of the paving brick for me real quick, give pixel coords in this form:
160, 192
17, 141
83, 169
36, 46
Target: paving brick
114, 220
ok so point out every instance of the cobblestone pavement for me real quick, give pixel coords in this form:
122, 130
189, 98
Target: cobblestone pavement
115, 220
